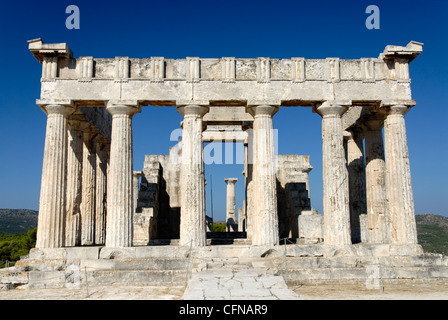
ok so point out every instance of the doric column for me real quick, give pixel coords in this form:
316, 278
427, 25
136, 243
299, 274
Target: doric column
376, 182
88, 188
74, 182
402, 223
52, 204
248, 171
101, 190
119, 225
136, 177
264, 184
335, 175
230, 204
192, 220
357, 182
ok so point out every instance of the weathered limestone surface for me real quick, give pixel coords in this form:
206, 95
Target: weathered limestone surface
74, 182
192, 222
52, 204
403, 229
293, 196
235, 100
357, 183
265, 217
88, 189
120, 204
376, 183
164, 81
336, 197
146, 203
102, 148
238, 94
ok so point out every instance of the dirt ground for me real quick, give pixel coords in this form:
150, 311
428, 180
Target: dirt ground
96, 293
438, 291
432, 291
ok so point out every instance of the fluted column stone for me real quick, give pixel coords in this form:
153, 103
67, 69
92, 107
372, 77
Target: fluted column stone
357, 183
402, 223
264, 184
119, 225
136, 177
376, 182
335, 175
101, 190
52, 203
231, 205
88, 188
74, 182
192, 220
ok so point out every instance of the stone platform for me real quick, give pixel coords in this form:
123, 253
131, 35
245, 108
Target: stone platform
170, 265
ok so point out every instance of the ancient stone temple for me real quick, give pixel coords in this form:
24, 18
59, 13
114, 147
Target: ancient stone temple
88, 193
91, 196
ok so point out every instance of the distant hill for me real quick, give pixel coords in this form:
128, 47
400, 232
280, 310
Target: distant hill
16, 221
432, 232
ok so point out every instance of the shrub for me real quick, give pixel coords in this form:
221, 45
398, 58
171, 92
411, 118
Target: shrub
12, 246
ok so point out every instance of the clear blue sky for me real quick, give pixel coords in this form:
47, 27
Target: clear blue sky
244, 29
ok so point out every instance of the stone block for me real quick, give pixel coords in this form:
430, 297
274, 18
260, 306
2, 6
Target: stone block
311, 227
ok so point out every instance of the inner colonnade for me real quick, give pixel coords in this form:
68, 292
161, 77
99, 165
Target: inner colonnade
88, 194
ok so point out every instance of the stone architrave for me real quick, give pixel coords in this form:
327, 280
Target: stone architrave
335, 175
403, 229
231, 221
88, 188
120, 204
192, 220
52, 203
74, 182
376, 182
264, 184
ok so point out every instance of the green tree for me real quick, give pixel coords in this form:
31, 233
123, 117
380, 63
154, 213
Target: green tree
12, 246
219, 227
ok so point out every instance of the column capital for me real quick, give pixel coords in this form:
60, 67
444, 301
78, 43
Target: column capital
58, 106
137, 174
192, 110
399, 109
262, 109
397, 106
230, 180
332, 108
123, 107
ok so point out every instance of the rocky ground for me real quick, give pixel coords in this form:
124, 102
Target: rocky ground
316, 292
431, 291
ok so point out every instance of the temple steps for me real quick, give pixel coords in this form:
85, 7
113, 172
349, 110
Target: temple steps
96, 266
428, 268
170, 265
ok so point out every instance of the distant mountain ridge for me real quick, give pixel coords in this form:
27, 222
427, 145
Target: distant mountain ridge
16, 221
432, 232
